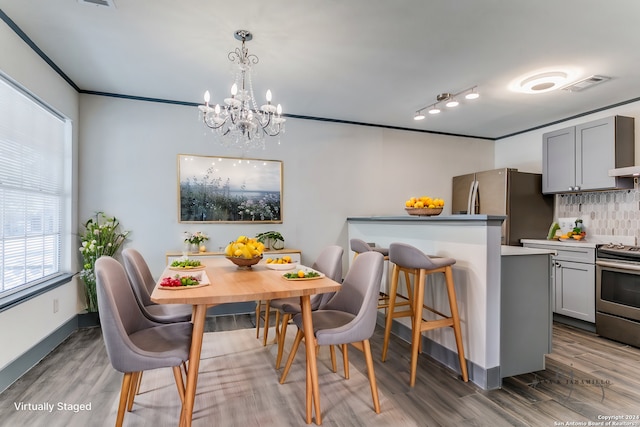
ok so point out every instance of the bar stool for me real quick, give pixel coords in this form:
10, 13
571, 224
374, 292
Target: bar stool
359, 246
408, 258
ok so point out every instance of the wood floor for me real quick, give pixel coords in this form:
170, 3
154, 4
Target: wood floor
587, 378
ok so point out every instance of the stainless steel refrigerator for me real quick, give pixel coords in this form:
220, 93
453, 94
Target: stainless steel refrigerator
518, 195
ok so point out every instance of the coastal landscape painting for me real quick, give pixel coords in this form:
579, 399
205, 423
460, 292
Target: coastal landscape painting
226, 189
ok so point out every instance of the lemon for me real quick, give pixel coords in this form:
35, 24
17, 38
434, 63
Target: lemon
419, 204
286, 258
238, 252
269, 261
301, 273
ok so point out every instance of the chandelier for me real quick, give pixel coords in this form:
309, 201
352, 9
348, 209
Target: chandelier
239, 122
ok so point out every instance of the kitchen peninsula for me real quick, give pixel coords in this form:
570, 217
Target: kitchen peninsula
482, 270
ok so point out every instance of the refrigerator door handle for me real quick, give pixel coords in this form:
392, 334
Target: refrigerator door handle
474, 197
471, 193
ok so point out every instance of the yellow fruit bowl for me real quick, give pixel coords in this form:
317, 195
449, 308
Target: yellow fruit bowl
244, 263
423, 211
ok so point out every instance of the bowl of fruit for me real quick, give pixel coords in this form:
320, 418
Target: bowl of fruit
244, 252
424, 206
283, 263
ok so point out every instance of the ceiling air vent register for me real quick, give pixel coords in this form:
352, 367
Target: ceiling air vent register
583, 84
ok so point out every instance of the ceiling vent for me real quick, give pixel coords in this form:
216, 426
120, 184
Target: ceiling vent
583, 84
107, 3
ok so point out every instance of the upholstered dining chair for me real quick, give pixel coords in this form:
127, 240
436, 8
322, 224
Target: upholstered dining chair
142, 283
134, 343
349, 317
329, 262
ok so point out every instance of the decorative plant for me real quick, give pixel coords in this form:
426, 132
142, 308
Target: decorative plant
102, 236
271, 238
195, 238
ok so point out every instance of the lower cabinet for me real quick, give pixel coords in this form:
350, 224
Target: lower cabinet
575, 290
525, 320
574, 280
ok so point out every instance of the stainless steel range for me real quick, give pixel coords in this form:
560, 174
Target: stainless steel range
618, 292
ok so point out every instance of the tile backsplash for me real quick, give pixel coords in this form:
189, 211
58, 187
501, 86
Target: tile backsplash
615, 213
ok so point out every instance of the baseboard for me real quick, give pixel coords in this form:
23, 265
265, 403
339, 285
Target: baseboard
487, 379
576, 323
14, 370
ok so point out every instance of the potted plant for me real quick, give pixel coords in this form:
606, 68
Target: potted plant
271, 239
102, 236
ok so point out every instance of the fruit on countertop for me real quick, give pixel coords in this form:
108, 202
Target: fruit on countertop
244, 247
424, 202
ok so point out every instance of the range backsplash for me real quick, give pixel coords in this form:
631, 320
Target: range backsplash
615, 213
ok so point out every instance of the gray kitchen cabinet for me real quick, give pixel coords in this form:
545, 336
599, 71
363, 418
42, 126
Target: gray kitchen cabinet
578, 158
526, 314
574, 280
575, 289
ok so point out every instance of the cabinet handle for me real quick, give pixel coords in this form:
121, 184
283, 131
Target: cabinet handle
570, 188
577, 188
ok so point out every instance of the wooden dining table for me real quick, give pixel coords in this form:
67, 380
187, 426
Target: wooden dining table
227, 284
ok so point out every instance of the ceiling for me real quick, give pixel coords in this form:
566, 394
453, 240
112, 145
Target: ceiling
365, 61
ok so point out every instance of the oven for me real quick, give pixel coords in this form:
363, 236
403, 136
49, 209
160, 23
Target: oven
618, 293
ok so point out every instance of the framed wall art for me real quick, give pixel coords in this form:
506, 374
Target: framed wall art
226, 189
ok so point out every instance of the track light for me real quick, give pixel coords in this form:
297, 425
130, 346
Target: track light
449, 100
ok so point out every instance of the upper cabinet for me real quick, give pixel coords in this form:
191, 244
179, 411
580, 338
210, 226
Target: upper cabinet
579, 158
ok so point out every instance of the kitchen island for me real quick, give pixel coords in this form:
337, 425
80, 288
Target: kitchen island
474, 241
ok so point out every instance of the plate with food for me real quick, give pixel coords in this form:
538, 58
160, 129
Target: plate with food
303, 274
184, 281
186, 265
284, 266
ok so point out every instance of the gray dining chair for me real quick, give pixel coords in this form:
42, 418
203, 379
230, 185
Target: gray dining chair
349, 317
329, 262
142, 283
133, 342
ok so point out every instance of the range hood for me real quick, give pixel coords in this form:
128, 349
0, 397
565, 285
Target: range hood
628, 171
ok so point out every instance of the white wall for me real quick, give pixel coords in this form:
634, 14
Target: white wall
128, 152
30, 322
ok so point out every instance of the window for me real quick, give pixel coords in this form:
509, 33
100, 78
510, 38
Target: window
32, 182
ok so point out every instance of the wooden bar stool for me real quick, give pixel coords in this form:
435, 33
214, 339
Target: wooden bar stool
408, 258
359, 246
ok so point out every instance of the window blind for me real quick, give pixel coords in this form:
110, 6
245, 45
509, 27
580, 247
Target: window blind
32, 155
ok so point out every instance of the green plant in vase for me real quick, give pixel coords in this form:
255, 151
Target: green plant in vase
271, 239
102, 236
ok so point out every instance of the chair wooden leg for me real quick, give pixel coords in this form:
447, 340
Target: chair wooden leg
124, 397
372, 376
292, 355
283, 334
332, 350
453, 304
177, 374
267, 311
418, 293
138, 384
135, 377
392, 303
345, 360
258, 309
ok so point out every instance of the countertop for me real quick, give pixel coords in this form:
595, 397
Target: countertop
519, 250
587, 242
435, 218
